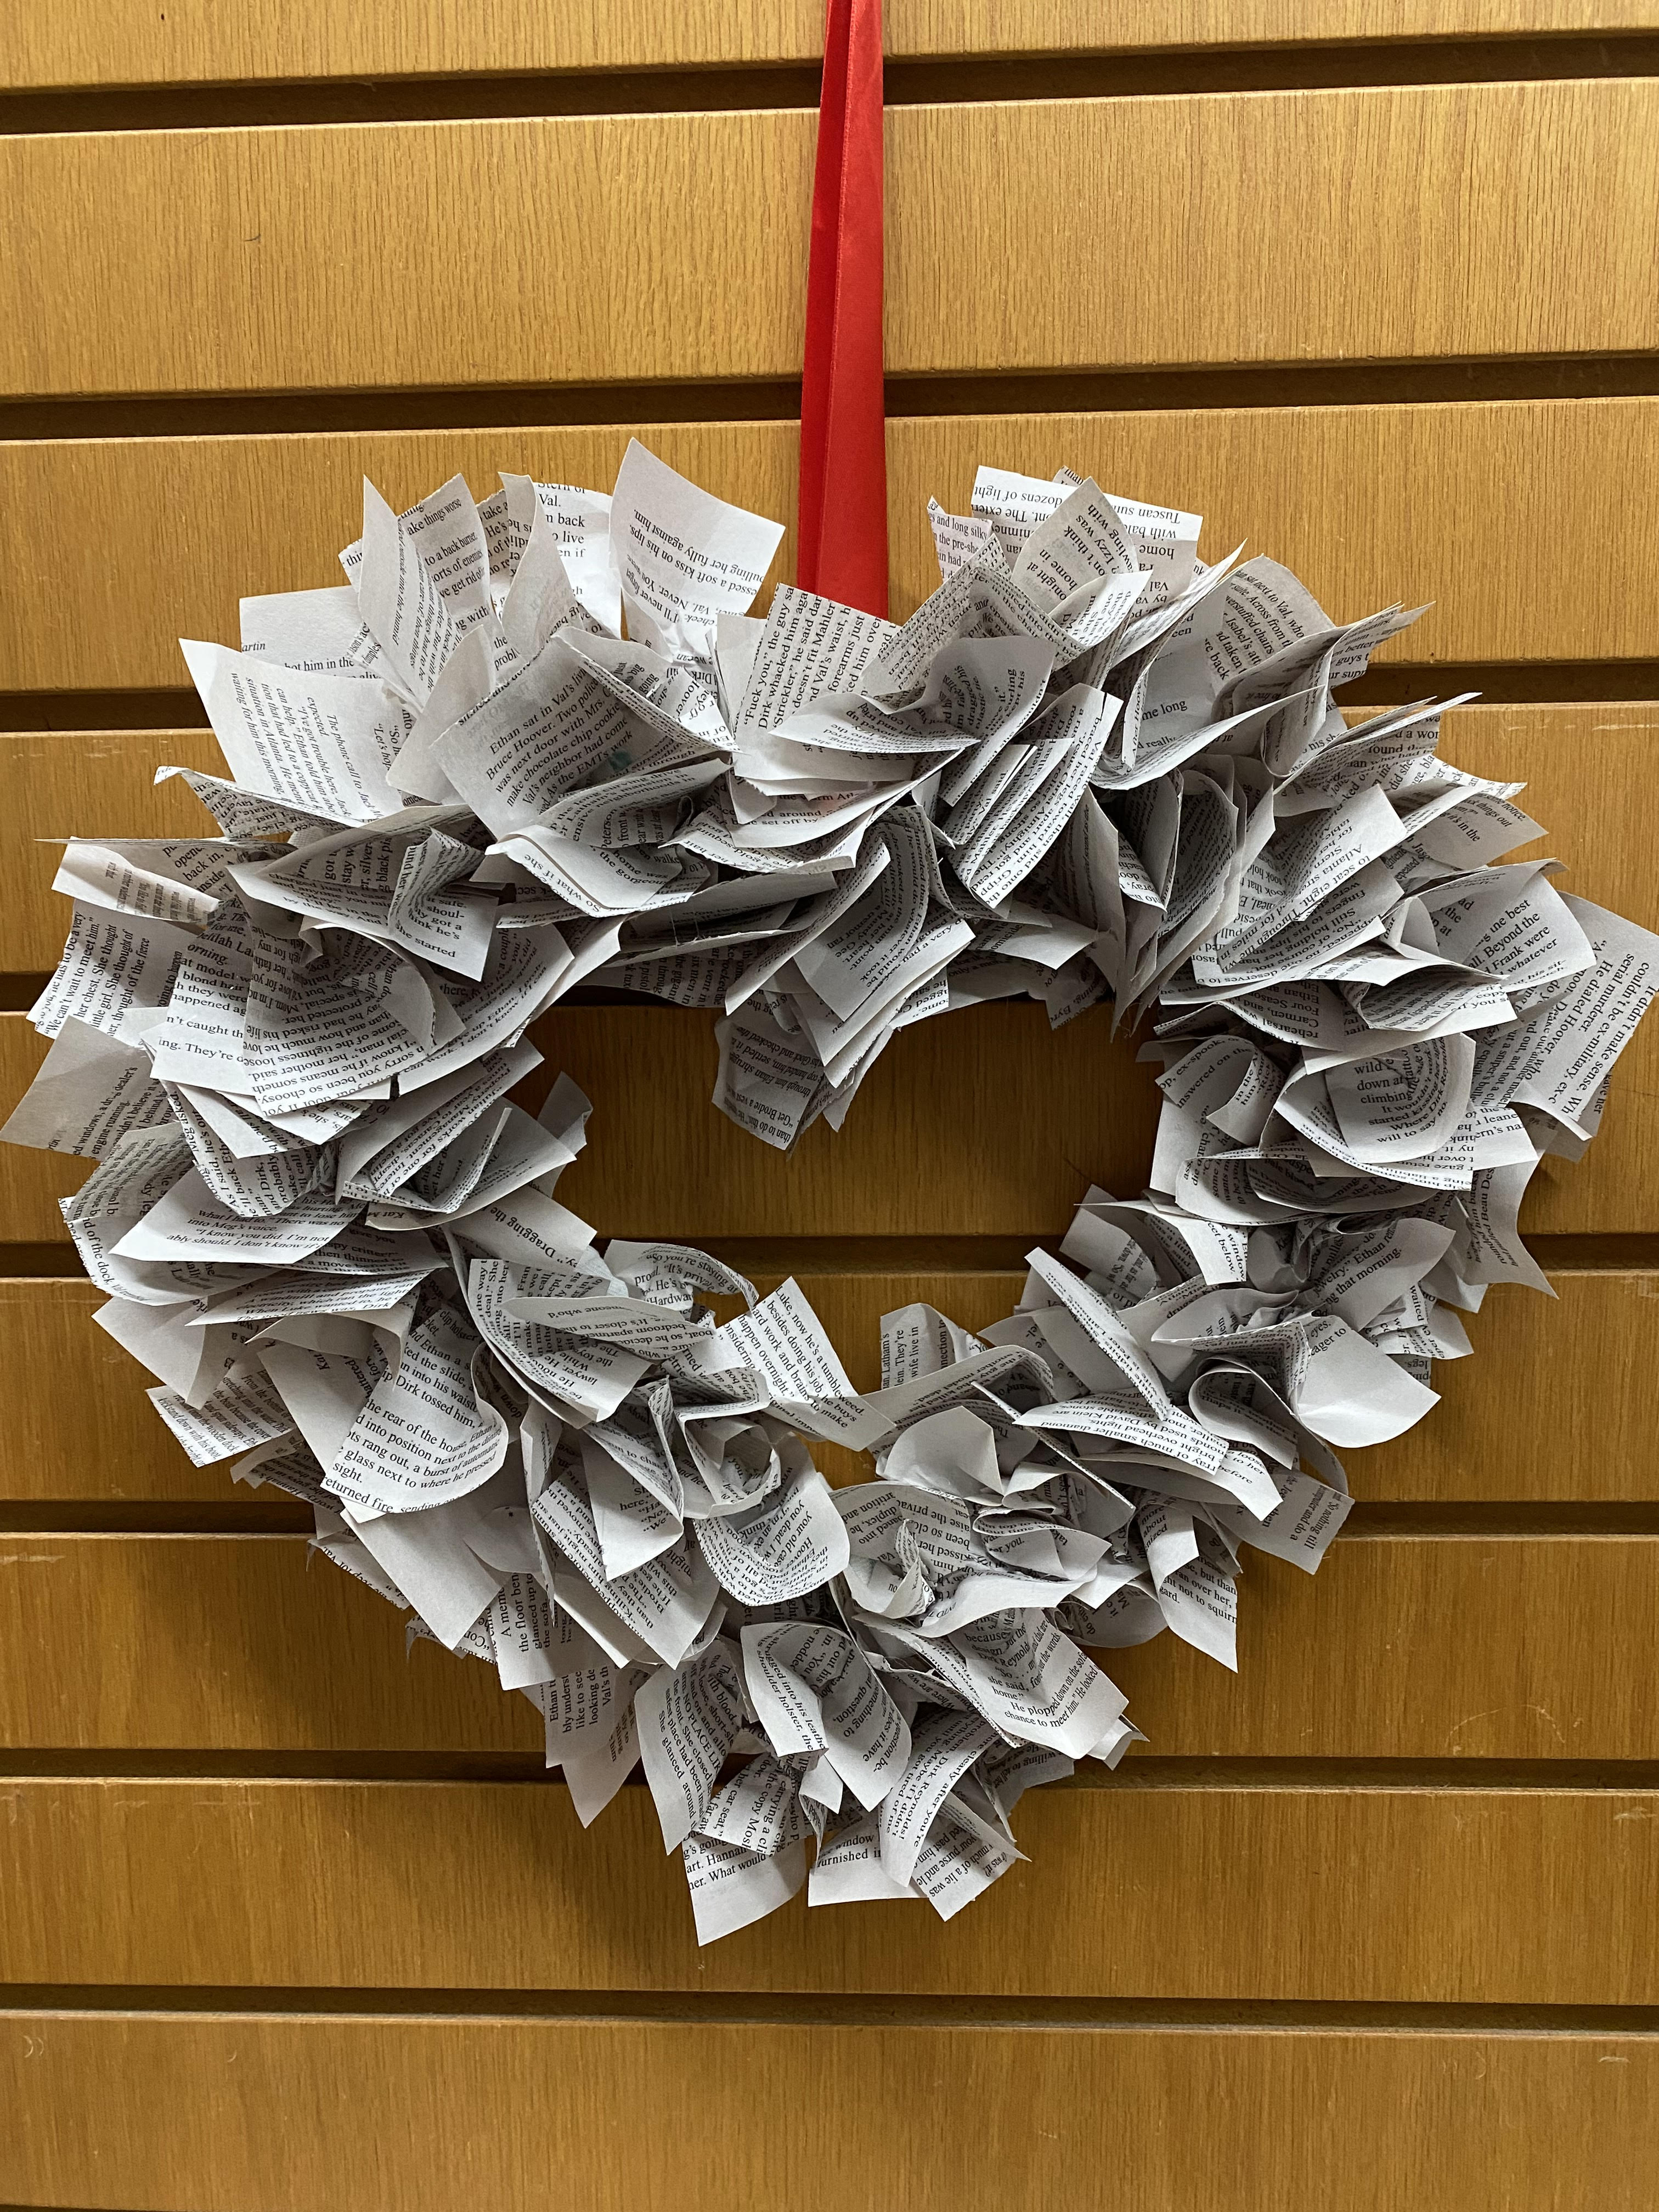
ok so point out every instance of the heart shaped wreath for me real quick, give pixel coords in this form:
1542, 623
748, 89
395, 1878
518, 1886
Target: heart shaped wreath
1087, 767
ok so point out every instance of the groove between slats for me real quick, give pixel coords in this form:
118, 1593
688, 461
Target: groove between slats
484, 406
826, 2009
958, 79
1375, 1519
1142, 1771
910, 1255
1525, 683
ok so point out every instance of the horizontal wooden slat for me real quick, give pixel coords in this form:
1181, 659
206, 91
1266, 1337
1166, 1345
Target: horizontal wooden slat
967, 1125
979, 1123
1400, 1648
969, 1128
1589, 774
94, 42
55, 784
1510, 1895
729, 2117
83, 783
1447, 1647
77, 1421
163, 571
1473, 209
1456, 499
81, 1428
1589, 770
1555, 1405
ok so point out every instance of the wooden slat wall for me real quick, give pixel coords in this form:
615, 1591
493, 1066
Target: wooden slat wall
291, 1921
983, 1124
114, 549
1277, 1892
1490, 2113
86, 783
1392, 1652
290, 258
1557, 1405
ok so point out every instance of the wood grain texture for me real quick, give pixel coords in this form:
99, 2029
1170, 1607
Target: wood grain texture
1400, 1648
102, 42
983, 1122
1405, 224
1473, 209
1456, 499
977, 1126
1587, 771
83, 783
1450, 495
77, 1422
1556, 1405
743, 2117
1430, 1895
81, 1428
291, 256
189, 526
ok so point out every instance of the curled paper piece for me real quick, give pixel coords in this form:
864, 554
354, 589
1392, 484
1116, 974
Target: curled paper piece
1088, 766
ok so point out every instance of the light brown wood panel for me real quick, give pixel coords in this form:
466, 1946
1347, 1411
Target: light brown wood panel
969, 1125
227, 1637
1589, 770
1455, 499
1401, 1647
1589, 774
1236, 259
1431, 1895
1455, 1646
102, 42
285, 507
31, 1184
290, 254
77, 1423
971, 1130
1555, 1405
1614, 1189
981, 1123
746, 2115
81, 1428
83, 783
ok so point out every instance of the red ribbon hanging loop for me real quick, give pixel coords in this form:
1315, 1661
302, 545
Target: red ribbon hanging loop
843, 449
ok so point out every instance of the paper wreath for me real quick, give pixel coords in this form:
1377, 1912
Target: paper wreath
1088, 766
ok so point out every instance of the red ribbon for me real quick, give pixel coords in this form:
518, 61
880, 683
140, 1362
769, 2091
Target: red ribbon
843, 447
